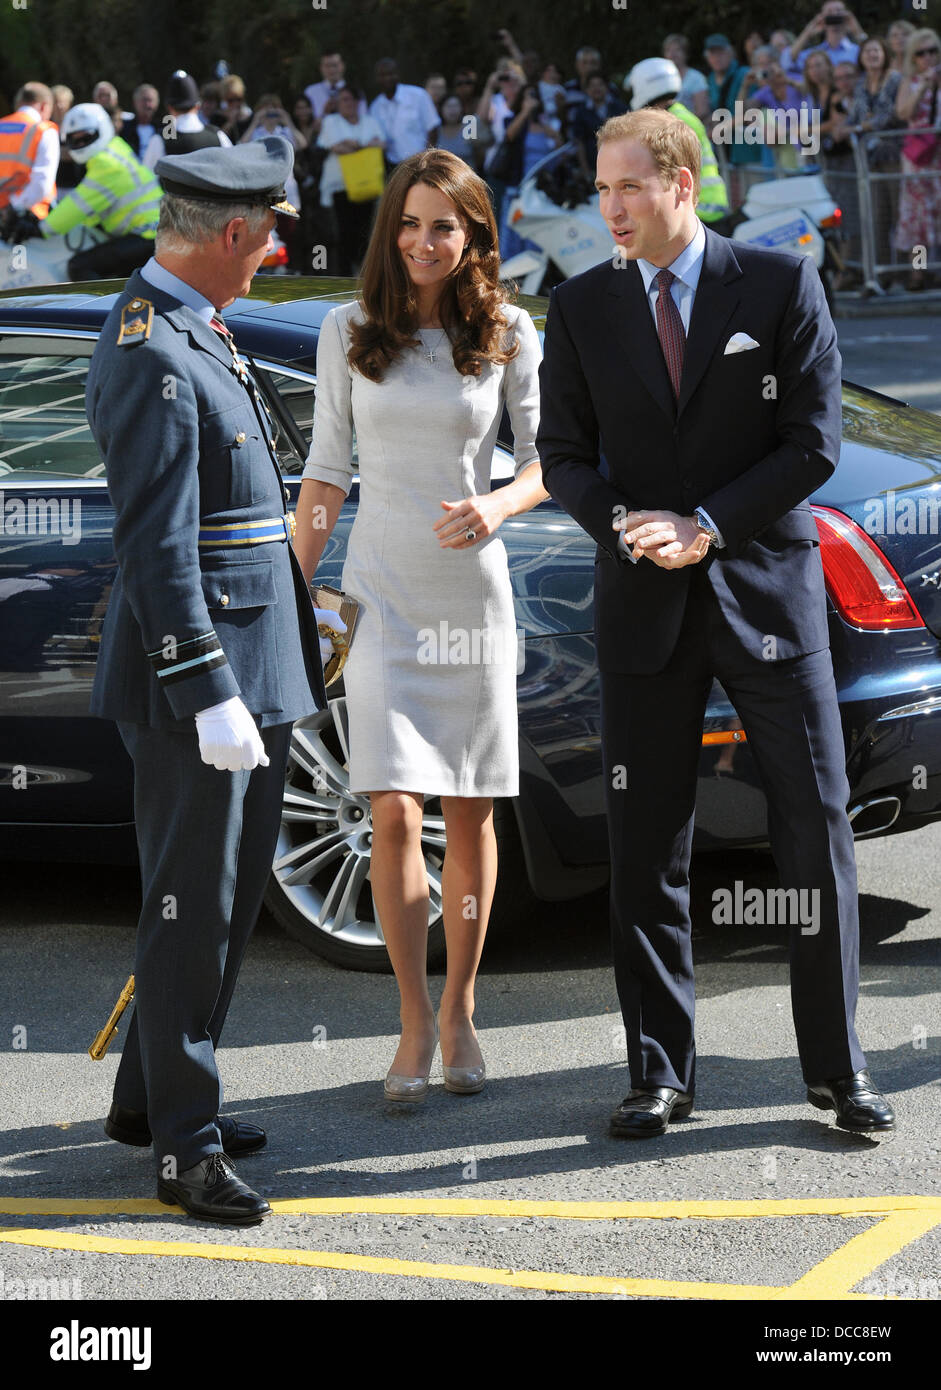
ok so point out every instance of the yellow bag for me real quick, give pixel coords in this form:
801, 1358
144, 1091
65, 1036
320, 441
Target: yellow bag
363, 174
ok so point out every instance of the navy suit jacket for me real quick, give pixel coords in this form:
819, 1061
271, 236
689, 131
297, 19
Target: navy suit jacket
752, 435
184, 447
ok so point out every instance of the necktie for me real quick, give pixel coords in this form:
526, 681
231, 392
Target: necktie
670, 329
225, 334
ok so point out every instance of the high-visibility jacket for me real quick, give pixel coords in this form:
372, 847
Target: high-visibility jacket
713, 195
19, 142
118, 194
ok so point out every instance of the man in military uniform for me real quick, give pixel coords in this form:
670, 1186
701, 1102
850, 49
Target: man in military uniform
209, 652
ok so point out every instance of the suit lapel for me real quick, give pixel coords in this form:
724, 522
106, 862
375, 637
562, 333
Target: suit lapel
713, 306
629, 313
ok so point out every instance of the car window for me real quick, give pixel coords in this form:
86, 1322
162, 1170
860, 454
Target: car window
297, 392
43, 429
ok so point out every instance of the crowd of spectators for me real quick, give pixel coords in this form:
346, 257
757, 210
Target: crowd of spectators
503, 123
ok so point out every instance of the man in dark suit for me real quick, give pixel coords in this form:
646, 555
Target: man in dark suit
707, 376
209, 652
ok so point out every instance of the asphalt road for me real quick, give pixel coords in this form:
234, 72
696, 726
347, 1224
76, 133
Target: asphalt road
306, 1046
898, 355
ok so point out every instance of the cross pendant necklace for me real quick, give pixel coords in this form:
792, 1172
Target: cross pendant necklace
431, 353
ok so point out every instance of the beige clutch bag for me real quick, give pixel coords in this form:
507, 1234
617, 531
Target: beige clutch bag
325, 596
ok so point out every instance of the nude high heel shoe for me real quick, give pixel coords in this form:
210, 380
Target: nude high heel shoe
464, 1081
410, 1088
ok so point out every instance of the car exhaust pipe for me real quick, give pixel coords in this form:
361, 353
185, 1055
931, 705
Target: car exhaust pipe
873, 816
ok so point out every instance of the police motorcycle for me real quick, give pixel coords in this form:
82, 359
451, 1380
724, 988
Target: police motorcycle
556, 207
43, 261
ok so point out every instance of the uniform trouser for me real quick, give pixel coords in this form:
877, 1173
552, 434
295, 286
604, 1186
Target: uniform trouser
652, 728
207, 840
114, 259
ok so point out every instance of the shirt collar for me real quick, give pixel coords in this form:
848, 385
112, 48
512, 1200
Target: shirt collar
687, 266
162, 279
29, 113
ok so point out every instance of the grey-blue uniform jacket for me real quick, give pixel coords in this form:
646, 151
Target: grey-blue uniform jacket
185, 449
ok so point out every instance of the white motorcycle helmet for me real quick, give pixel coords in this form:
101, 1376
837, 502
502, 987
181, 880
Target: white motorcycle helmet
652, 80
86, 130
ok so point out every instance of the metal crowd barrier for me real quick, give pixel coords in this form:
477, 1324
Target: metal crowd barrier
883, 193
874, 192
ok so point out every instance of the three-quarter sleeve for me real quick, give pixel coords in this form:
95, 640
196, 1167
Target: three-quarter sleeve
521, 391
330, 459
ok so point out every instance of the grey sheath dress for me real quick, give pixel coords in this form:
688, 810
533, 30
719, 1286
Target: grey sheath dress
431, 677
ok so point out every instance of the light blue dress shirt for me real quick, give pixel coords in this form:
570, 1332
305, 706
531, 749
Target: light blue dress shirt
162, 279
686, 270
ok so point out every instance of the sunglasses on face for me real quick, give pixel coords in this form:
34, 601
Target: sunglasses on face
926, 52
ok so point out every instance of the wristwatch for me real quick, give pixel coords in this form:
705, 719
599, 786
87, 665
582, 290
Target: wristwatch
705, 525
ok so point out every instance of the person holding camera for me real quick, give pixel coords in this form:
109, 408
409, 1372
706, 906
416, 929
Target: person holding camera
528, 137
270, 118
835, 31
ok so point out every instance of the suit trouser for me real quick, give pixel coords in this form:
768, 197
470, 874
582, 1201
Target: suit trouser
207, 840
652, 728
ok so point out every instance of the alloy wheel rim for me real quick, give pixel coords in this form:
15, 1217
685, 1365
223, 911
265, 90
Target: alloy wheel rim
324, 852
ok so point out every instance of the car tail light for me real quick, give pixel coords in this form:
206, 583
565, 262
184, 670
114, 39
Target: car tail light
277, 257
834, 220
865, 589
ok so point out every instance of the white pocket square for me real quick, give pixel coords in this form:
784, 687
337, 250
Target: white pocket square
739, 342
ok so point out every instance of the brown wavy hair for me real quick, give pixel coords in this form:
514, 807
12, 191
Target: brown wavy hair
471, 299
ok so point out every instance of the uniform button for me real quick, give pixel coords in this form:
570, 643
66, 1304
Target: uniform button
273, 443
240, 437
224, 600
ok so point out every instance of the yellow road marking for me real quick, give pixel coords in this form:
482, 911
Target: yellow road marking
903, 1219
835, 1275
369, 1264
473, 1206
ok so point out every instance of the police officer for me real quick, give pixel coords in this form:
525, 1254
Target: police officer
656, 82
29, 157
209, 652
182, 129
117, 194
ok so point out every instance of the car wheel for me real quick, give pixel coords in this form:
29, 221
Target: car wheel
319, 889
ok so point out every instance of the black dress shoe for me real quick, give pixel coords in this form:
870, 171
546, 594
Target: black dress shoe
212, 1190
645, 1113
238, 1136
859, 1106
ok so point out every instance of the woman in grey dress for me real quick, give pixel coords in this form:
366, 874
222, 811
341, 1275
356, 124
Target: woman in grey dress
421, 367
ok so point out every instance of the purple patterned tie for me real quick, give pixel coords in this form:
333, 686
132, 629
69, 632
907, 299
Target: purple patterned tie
670, 329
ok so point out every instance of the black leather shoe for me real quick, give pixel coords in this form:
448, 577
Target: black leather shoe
212, 1190
238, 1136
859, 1106
645, 1113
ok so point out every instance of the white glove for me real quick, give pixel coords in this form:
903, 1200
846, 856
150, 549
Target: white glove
330, 619
229, 737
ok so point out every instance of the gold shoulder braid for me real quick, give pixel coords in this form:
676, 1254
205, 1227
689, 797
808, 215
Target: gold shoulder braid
137, 319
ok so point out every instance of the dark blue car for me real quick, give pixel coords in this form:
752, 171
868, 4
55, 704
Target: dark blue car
65, 779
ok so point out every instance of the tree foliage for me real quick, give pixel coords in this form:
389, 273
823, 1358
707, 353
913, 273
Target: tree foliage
276, 44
